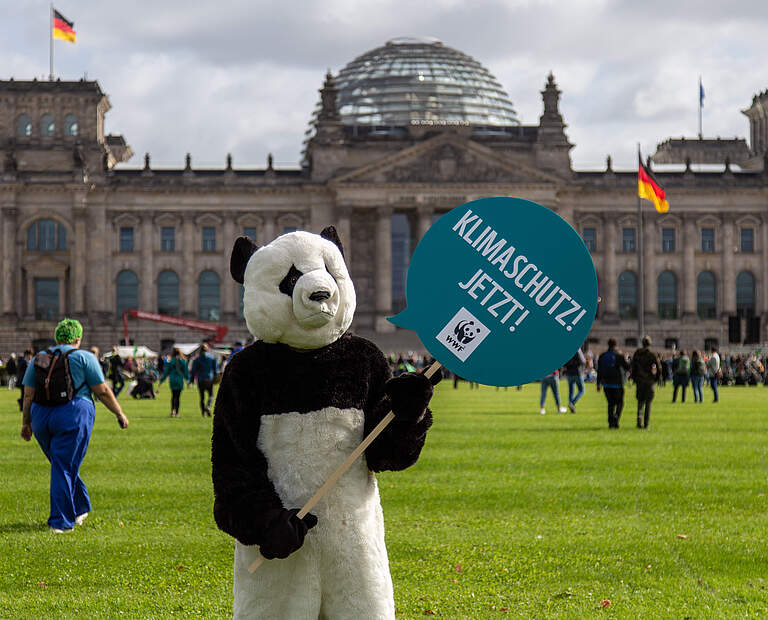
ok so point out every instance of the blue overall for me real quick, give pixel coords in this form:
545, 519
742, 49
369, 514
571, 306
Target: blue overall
63, 433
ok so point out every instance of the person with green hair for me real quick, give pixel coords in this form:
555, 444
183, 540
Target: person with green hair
63, 431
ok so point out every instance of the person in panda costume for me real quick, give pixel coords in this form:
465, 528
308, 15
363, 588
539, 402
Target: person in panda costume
290, 408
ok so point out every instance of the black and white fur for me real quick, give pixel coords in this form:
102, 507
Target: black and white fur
290, 409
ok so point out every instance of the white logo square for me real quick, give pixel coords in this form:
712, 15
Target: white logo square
463, 334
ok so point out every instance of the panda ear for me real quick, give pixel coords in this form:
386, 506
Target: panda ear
241, 253
329, 232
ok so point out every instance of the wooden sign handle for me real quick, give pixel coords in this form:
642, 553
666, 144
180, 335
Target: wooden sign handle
334, 477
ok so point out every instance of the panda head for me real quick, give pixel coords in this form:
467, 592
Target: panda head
297, 288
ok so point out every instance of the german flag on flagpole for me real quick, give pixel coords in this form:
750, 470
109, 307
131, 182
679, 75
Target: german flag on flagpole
63, 28
648, 188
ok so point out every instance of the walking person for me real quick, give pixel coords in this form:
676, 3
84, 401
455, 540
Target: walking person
177, 373
681, 374
204, 370
12, 368
59, 411
612, 370
22, 365
714, 372
116, 372
551, 381
574, 372
646, 372
698, 374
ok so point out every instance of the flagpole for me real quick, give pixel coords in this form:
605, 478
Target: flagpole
640, 267
50, 34
701, 133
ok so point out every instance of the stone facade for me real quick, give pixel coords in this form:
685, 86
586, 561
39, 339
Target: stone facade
80, 235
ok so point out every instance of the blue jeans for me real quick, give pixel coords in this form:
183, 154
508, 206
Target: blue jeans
575, 381
713, 384
550, 382
696, 383
63, 433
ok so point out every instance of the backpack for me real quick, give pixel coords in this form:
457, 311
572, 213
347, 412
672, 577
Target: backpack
53, 379
683, 366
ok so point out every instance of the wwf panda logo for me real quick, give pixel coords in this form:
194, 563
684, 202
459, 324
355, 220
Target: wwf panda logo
466, 331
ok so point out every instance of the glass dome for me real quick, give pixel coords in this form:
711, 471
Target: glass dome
420, 81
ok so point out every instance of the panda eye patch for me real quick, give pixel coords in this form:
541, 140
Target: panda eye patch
289, 281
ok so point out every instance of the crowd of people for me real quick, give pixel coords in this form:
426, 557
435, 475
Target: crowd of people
139, 376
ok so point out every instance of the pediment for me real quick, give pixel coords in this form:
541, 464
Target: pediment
448, 159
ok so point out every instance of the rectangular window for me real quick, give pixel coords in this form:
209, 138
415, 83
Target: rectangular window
209, 239
747, 239
289, 229
46, 299
707, 239
590, 238
251, 231
627, 239
126, 238
168, 239
667, 239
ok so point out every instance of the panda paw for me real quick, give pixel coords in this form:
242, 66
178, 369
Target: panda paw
285, 534
409, 394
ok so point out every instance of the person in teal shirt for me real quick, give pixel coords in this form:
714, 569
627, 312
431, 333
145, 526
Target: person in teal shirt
177, 373
63, 431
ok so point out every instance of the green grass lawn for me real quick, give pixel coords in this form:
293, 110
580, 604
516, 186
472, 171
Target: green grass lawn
507, 514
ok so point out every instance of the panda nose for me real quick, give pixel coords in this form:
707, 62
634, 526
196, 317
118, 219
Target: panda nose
319, 295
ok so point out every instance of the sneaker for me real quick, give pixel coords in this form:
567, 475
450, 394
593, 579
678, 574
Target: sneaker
542, 411
56, 530
572, 407
80, 518
562, 410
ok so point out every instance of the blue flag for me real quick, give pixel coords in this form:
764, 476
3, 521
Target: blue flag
701, 94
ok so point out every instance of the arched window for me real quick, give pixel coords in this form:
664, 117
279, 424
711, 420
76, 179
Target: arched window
127, 291
628, 295
47, 126
208, 297
46, 235
71, 127
667, 295
24, 126
745, 294
168, 293
401, 255
705, 295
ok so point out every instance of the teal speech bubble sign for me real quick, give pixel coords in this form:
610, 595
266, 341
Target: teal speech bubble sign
501, 291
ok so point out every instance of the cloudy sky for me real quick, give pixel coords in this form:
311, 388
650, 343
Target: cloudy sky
242, 76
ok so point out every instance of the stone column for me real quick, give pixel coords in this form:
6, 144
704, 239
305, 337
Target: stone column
384, 269
688, 288
610, 279
727, 283
148, 281
79, 249
229, 288
651, 246
97, 262
188, 282
425, 220
10, 265
762, 298
268, 233
344, 228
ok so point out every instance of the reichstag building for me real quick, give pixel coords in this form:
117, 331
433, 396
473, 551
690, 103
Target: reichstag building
401, 134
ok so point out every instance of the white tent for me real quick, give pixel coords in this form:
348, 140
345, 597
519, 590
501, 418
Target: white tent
136, 351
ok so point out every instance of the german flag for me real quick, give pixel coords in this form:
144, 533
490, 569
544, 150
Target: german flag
648, 188
62, 27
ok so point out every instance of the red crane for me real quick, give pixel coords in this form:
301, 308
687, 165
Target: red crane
217, 331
